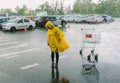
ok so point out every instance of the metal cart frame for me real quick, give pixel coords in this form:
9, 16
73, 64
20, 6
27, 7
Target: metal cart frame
89, 40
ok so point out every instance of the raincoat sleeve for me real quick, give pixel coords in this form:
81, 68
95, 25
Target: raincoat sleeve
61, 42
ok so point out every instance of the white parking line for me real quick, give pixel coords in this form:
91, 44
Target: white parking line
4, 40
22, 45
9, 57
63, 56
9, 43
29, 66
15, 53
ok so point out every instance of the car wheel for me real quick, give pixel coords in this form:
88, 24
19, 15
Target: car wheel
30, 27
0, 27
13, 29
37, 23
63, 24
96, 22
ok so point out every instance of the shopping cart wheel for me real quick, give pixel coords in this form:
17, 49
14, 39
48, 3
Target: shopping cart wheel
96, 57
87, 68
89, 57
81, 52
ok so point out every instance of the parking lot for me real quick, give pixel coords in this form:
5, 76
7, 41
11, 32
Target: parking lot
25, 56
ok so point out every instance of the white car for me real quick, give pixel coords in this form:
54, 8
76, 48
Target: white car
95, 19
18, 23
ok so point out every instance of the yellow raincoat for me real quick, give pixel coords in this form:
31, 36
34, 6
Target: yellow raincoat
55, 38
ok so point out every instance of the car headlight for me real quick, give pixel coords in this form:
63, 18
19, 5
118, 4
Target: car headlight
6, 27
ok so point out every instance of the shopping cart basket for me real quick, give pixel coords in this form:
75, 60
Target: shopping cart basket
88, 53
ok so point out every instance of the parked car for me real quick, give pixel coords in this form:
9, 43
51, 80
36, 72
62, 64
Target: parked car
37, 20
2, 20
95, 19
66, 18
56, 20
74, 18
18, 23
84, 19
41, 22
107, 18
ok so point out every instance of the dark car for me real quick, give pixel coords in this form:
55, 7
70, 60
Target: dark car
2, 20
37, 20
42, 21
57, 21
108, 18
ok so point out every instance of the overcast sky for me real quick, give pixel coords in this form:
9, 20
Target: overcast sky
31, 4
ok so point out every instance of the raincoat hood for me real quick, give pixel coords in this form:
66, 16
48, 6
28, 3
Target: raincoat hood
49, 25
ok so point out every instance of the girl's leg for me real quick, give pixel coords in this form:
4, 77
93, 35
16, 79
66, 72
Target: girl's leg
57, 58
52, 57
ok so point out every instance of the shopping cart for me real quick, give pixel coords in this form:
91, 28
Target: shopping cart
88, 53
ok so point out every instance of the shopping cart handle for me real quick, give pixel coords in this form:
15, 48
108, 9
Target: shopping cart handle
81, 52
96, 57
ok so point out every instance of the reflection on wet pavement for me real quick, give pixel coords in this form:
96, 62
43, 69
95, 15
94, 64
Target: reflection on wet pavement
92, 76
55, 76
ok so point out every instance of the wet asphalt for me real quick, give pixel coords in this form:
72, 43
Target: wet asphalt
25, 56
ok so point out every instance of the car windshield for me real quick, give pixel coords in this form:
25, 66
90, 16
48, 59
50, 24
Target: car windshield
3, 20
44, 17
13, 20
